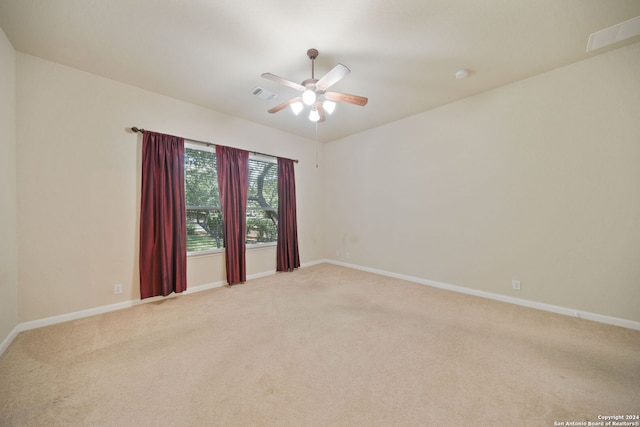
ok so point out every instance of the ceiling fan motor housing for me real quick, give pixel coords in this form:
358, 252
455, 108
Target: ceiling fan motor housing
310, 83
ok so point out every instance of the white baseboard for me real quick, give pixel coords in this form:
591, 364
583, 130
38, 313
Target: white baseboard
25, 326
311, 263
9, 339
121, 305
630, 324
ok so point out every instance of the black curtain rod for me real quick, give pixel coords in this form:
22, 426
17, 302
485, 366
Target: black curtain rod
210, 144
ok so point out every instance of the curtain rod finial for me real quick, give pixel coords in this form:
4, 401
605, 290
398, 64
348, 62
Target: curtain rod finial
135, 129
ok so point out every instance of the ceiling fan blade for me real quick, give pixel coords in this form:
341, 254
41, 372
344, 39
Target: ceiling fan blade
334, 75
284, 105
283, 81
346, 97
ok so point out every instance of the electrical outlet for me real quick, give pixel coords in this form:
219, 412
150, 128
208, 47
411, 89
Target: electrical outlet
117, 289
515, 284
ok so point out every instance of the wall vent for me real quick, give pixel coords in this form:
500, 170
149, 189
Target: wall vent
614, 34
263, 93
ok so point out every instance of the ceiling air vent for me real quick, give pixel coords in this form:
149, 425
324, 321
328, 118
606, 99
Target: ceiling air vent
614, 34
263, 94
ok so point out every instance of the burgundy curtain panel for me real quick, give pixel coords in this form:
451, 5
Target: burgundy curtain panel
163, 254
288, 257
233, 180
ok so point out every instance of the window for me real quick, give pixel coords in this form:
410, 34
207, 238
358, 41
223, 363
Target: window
204, 217
262, 201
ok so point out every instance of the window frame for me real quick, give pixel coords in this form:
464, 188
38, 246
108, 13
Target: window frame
249, 246
266, 159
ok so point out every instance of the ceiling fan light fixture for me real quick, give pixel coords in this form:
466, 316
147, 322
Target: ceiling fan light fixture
308, 97
314, 116
329, 106
297, 107
313, 92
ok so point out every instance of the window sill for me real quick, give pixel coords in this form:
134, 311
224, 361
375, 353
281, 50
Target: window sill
251, 247
254, 246
199, 254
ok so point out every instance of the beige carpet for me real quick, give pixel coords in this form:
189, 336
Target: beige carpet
323, 346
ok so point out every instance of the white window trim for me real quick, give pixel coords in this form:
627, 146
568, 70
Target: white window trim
249, 246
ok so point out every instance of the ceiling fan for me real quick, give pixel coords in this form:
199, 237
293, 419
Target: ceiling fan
314, 92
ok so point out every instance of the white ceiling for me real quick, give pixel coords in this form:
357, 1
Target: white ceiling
402, 54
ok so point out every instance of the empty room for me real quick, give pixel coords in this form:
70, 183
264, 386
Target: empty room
338, 213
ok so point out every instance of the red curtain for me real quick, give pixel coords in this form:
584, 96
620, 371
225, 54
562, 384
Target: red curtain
288, 257
163, 254
233, 177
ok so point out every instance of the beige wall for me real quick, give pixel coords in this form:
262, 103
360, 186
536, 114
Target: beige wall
537, 181
8, 203
78, 185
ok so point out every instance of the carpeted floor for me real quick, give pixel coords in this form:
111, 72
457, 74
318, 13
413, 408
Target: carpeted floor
323, 346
